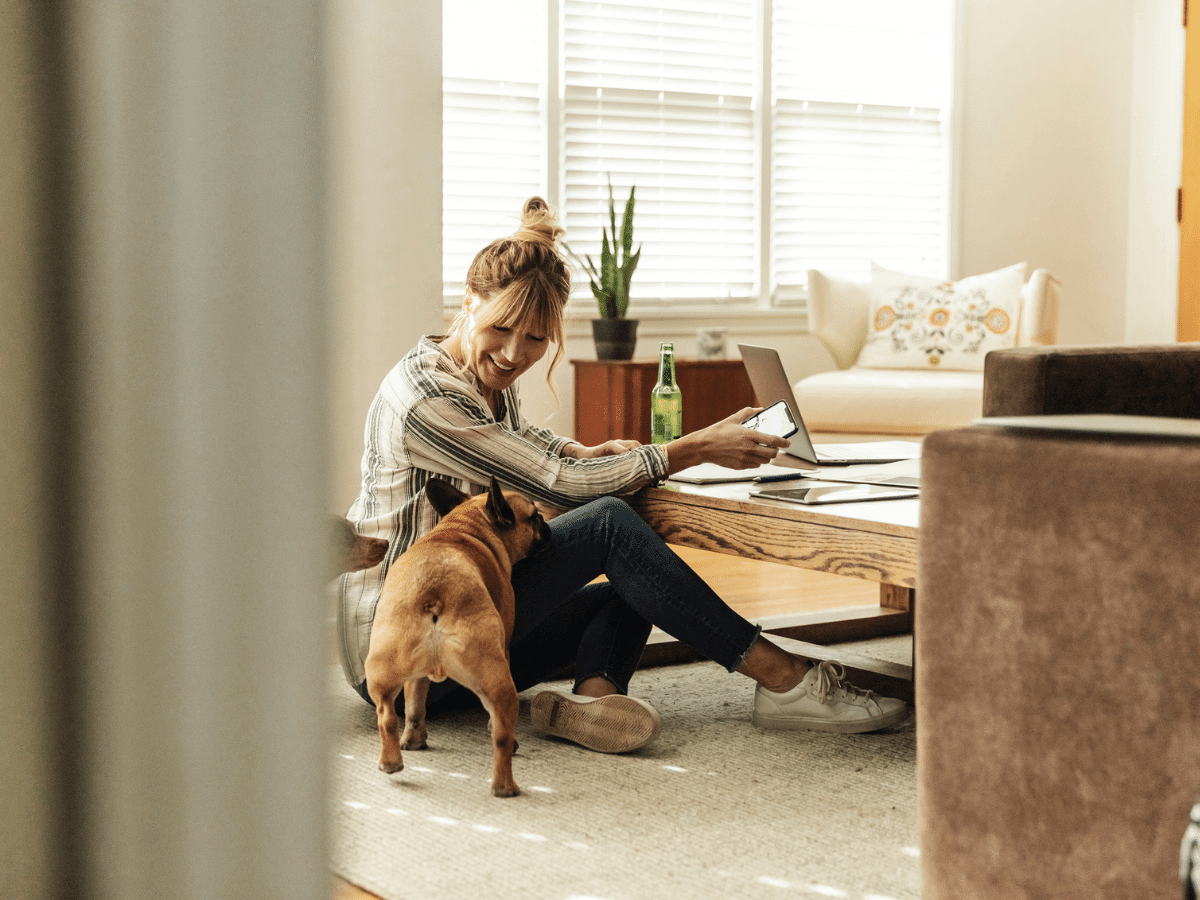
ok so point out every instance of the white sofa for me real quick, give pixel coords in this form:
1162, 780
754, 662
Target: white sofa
851, 398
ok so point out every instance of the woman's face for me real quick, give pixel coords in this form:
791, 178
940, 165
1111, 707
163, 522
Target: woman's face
500, 355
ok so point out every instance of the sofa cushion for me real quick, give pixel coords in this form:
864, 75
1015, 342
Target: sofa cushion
889, 401
918, 322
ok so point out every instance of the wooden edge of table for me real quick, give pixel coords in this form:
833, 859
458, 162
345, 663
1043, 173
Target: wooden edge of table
729, 521
860, 516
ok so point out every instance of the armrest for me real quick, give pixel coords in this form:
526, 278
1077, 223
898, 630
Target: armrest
1148, 380
838, 310
812, 356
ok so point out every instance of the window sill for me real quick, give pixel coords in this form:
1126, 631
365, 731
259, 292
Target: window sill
666, 321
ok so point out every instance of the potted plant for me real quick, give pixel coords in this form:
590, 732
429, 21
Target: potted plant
615, 335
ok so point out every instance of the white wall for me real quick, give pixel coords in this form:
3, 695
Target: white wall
385, 199
1155, 163
1069, 155
1043, 153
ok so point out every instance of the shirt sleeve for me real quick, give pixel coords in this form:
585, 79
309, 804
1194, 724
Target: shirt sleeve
451, 434
544, 437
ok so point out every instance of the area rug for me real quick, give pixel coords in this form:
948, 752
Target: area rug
712, 808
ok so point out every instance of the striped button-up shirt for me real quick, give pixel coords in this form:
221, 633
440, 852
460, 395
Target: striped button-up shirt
430, 418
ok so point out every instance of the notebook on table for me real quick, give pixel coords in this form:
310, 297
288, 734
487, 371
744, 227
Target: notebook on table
770, 383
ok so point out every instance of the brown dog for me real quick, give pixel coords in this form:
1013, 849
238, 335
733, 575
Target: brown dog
351, 550
446, 611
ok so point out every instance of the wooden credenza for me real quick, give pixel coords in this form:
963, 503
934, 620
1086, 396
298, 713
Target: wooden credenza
612, 397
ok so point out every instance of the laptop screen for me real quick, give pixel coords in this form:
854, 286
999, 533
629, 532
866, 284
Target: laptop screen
770, 383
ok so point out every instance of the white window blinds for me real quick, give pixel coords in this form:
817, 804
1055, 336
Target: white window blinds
661, 96
843, 163
494, 63
860, 161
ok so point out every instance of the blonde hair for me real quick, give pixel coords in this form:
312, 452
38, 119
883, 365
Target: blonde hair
521, 282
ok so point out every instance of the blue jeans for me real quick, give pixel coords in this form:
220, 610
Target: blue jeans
561, 618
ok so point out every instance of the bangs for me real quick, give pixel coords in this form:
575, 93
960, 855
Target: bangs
524, 310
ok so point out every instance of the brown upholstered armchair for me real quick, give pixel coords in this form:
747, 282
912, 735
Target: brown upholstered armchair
1158, 380
1058, 634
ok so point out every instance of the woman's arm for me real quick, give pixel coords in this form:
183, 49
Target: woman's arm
576, 450
544, 437
447, 435
727, 443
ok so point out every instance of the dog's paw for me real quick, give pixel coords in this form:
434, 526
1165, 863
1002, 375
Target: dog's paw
505, 790
391, 767
416, 739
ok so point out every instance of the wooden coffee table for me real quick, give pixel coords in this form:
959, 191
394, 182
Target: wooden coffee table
876, 541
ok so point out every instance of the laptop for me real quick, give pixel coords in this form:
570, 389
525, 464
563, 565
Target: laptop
770, 383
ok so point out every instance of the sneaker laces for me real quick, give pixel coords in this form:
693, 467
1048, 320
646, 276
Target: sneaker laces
831, 684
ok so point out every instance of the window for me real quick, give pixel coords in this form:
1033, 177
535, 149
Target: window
764, 137
493, 124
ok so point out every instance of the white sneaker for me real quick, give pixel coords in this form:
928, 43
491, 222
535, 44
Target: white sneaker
824, 701
612, 724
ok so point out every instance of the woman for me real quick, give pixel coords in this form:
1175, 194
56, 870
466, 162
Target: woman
450, 409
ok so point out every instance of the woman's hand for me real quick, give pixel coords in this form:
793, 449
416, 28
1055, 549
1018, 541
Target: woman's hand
608, 448
727, 443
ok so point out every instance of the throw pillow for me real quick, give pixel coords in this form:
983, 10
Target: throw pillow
921, 323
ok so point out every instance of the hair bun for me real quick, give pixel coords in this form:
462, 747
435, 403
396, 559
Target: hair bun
538, 222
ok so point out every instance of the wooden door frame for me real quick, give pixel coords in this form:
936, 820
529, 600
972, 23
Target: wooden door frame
1189, 192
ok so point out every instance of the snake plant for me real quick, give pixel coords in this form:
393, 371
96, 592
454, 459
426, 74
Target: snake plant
610, 280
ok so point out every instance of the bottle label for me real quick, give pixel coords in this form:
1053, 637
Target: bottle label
666, 418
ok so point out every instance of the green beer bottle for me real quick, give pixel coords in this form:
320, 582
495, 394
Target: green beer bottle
666, 402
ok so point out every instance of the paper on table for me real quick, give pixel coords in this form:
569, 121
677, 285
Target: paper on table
865, 451
905, 473
711, 473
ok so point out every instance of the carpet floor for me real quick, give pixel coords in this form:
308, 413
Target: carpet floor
712, 808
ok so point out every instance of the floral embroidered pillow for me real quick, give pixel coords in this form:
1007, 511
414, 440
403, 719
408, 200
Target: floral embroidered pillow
922, 323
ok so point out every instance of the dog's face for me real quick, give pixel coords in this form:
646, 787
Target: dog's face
517, 513
516, 519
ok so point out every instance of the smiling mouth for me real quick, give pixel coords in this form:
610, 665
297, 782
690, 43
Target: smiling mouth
501, 367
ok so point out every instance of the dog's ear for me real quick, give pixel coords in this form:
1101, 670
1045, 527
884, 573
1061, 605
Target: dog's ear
498, 507
442, 495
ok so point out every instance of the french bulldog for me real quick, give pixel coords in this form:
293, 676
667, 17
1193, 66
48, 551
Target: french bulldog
446, 611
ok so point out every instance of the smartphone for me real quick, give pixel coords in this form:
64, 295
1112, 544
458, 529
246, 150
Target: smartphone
776, 420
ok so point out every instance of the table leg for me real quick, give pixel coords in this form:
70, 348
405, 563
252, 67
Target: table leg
893, 596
